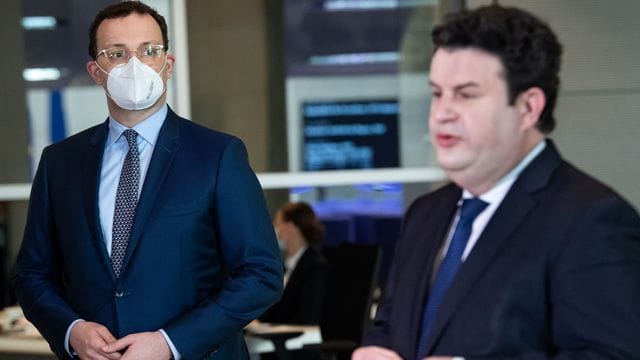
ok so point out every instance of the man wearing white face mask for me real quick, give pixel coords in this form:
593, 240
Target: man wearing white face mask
136, 244
135, 85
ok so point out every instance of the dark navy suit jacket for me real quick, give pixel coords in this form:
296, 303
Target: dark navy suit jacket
202, 260
555, 274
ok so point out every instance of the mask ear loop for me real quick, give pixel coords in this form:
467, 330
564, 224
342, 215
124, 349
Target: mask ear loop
100, 67
163, 65
164, 91
106, 90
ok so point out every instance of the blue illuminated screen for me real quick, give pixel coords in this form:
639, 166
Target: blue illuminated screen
350, 134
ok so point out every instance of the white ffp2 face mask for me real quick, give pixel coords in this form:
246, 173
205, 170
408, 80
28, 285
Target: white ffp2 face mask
134, 85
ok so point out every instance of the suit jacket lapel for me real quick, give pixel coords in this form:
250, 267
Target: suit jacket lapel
512, 211
435, 227
163, 154
505, 220
92, 164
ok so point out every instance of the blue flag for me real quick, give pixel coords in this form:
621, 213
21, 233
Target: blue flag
58, 128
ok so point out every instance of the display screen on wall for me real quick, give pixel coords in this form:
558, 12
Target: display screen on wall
350, 134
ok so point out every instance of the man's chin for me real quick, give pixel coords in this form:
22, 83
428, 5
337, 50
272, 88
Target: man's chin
450, 161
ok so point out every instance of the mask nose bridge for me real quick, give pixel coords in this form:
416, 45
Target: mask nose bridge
130, 52
108, 73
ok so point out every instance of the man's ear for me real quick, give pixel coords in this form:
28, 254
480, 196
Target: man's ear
95, 72
171, 59
530, 104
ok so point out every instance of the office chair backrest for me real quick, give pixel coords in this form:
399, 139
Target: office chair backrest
353, 279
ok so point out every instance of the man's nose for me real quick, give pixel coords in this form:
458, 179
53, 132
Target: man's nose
442, 109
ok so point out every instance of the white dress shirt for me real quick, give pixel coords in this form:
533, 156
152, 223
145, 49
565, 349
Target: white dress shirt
291, 262
493, 197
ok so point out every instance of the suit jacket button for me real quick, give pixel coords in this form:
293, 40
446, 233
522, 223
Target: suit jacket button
119, 294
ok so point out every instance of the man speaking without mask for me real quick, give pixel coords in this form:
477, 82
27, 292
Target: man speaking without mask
137, 244
522, 256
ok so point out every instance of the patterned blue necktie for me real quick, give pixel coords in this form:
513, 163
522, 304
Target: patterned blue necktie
126, 202
469, 211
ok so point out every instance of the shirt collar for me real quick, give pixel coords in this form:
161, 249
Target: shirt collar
148, 129
292, 261
500, 189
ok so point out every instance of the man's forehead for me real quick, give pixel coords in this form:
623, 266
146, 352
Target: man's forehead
131, 30
462, 67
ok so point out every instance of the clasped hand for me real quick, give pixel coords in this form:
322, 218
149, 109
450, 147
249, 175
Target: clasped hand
380, 353
92, 341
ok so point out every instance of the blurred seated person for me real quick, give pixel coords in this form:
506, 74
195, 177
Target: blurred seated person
306, 271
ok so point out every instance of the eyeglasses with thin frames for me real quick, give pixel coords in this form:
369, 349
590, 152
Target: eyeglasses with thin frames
150, 54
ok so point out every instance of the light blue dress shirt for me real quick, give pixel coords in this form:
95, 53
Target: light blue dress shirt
115, 150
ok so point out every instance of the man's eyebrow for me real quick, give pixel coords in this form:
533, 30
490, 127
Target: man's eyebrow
120, 45
470, 84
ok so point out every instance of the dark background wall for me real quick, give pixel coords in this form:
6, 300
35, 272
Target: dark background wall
14, 159
14, 136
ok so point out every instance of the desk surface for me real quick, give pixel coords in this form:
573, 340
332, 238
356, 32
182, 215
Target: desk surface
257, 345
20, 345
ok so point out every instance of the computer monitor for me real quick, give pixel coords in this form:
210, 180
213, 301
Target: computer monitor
355, 118
359, 134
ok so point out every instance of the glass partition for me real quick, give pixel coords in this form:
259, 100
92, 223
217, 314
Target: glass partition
357, 95
357, 102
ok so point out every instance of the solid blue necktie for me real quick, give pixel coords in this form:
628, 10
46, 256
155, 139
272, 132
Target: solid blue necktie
126, 202
468, 212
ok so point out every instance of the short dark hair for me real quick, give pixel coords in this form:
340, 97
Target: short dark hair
302, 216
526, 46
120, 10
